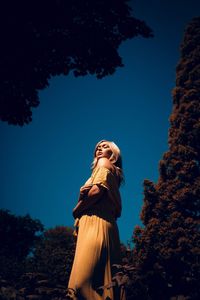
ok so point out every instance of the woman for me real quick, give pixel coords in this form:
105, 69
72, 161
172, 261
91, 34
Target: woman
98, 245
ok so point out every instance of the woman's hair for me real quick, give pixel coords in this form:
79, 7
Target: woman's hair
115, 159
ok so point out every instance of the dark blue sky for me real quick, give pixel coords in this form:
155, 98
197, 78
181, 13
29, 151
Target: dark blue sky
44, 164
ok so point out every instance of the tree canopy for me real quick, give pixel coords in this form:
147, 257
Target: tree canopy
167, 249
35, 263
54, 253
41, 39
18, 236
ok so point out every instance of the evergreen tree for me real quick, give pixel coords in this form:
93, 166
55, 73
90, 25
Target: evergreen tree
167, 249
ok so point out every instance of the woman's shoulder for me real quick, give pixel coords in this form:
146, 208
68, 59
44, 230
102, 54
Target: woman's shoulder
105, 163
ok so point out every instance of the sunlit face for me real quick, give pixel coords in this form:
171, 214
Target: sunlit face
103, 150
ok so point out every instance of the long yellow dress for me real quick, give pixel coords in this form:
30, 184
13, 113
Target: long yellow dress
98, 244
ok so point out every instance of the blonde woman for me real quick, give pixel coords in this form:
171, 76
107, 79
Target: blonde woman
98, 244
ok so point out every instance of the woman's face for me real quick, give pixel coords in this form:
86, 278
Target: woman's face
103, 150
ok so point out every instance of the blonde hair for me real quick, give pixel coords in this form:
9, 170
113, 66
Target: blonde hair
115, 159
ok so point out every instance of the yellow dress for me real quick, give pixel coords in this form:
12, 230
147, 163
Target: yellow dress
98, 244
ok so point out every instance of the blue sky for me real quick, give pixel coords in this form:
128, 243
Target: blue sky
43, 164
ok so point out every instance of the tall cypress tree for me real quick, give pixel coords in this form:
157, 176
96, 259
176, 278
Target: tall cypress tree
167, 249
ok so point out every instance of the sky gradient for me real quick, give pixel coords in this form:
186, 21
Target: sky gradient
43, 164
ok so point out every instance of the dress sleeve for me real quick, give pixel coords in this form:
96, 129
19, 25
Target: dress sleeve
104, 177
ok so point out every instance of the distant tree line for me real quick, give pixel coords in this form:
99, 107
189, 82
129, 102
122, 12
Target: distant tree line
31, 256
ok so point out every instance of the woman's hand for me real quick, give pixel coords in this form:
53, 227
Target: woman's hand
85, 188
84, 191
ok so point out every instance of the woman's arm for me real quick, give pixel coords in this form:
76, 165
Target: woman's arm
89, 196
84, 192
92, 196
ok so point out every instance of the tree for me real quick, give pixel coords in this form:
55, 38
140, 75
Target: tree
54, 253
33, 263
41, 39
167, 252
18, 236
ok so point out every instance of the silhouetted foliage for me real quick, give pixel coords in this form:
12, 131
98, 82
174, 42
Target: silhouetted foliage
32, 286
35, 264
54, 253
41, 39
18, 236
167, 249
127, 275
